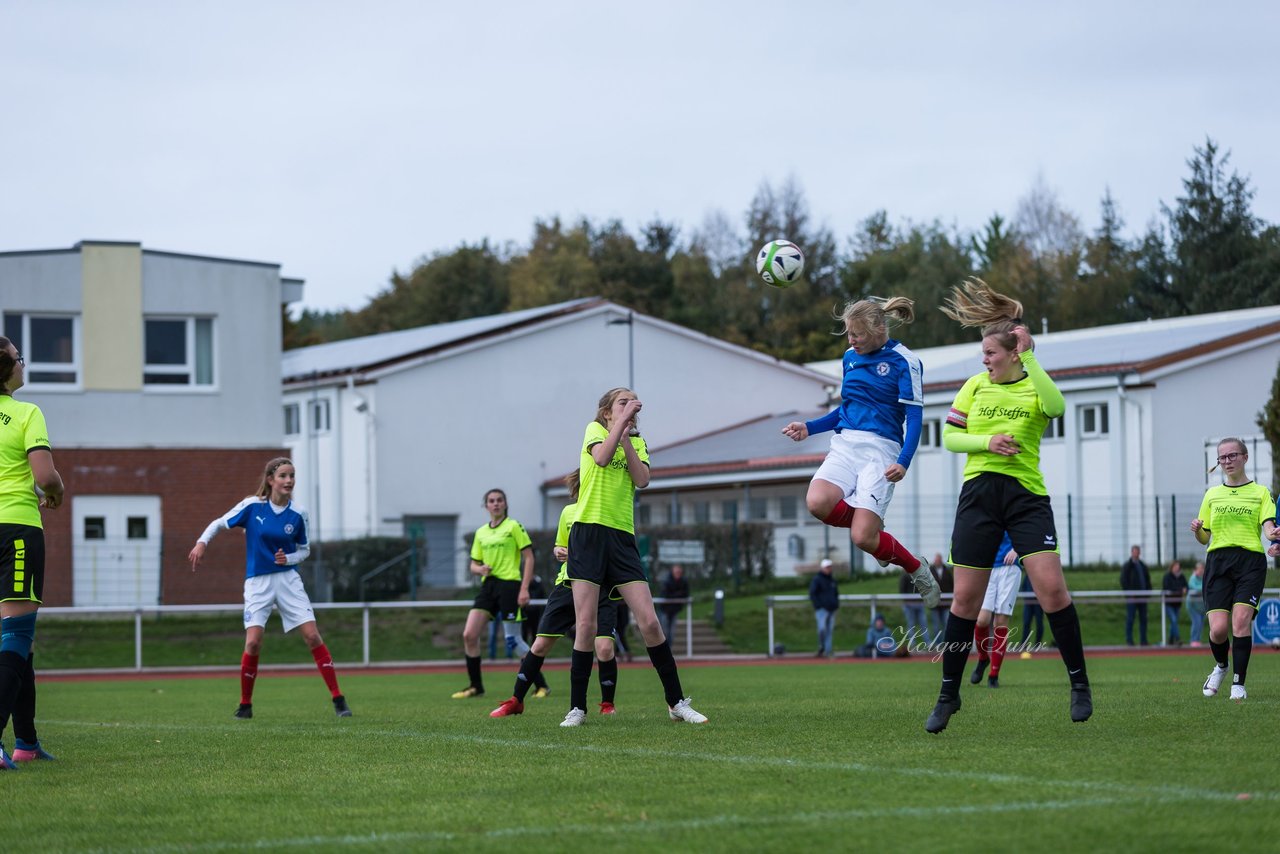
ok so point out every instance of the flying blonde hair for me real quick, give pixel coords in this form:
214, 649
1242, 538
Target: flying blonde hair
974, 304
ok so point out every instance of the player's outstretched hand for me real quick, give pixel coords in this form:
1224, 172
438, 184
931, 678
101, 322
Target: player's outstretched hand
796, 431
196, 553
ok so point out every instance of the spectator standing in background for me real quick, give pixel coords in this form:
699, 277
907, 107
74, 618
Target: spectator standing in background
675, 587
1134, 576
1175, 590
824, 593
1195, 602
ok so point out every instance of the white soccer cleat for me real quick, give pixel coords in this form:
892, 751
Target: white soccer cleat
926, 585
574, 718
1238, 692
1214, 681
682, 711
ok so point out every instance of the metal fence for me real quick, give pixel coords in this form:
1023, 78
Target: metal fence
874, 600
367, 609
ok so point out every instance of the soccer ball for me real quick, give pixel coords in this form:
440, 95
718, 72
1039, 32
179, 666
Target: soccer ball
780, 263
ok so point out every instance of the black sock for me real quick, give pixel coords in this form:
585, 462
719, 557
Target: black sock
1065, 626
957, 640
580, 677
1241, 649
24, 708
12, 669
665, 663
1219, 651
608, 680
473, 672
530, 673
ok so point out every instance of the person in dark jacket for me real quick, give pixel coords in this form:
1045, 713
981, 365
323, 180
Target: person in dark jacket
675, 587
825, 596
1174, 585
1134, 576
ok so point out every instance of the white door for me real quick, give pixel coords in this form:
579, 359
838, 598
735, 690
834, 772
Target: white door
115, 550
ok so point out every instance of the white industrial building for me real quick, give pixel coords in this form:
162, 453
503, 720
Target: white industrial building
402, 433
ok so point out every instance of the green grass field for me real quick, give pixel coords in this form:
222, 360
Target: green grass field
820, 756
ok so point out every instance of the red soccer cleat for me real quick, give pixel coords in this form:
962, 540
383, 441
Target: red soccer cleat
508, 707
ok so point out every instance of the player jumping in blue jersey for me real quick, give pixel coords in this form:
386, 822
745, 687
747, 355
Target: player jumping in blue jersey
275, 539
881, 390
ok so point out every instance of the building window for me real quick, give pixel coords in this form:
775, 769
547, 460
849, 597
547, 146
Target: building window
758, 508
729, 511
701, 512
292, 419
1093, 420
931, 433
136, 528
1056, 428
788, 507
795, 547
318, 412
49, 344
178, 351
95, 527
644, 513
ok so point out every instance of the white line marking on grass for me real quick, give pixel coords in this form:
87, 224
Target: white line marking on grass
1132, 790
651, 826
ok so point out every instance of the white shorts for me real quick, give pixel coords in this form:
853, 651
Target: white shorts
282, 589
1002, 589
856, 463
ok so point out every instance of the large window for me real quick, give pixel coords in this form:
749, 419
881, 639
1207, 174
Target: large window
178, 351
292, 419
49, 343
1093, 420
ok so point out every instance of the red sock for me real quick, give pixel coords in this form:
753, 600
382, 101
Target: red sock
980, 634
997, 652
324, 661
248, 675
841, 516
894, 552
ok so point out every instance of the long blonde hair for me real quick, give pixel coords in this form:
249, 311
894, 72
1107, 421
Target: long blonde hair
974, 304
876, 313
264, 487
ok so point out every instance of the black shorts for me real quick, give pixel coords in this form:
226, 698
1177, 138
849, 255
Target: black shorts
559, 616
991, 504
500, 598
604, 556
1233, 576
21, 563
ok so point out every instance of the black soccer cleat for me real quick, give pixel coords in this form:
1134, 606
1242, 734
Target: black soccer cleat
941, 714
340, 707
979, 670
1081, 702
245, 711
993, 682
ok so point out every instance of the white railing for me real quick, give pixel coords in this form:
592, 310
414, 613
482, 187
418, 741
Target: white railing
366, 608
873, 599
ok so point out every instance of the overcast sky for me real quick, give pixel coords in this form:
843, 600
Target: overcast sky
348, 140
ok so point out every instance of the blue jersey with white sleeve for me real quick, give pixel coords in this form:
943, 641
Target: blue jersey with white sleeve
879, 393
1006, 546
267, 528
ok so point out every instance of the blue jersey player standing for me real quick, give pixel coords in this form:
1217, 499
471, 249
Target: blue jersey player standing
882, 391
275, 540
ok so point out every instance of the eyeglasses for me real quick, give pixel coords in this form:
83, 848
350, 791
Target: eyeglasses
1229, 458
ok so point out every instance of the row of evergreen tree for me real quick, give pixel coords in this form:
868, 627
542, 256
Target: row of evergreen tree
1206, 252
